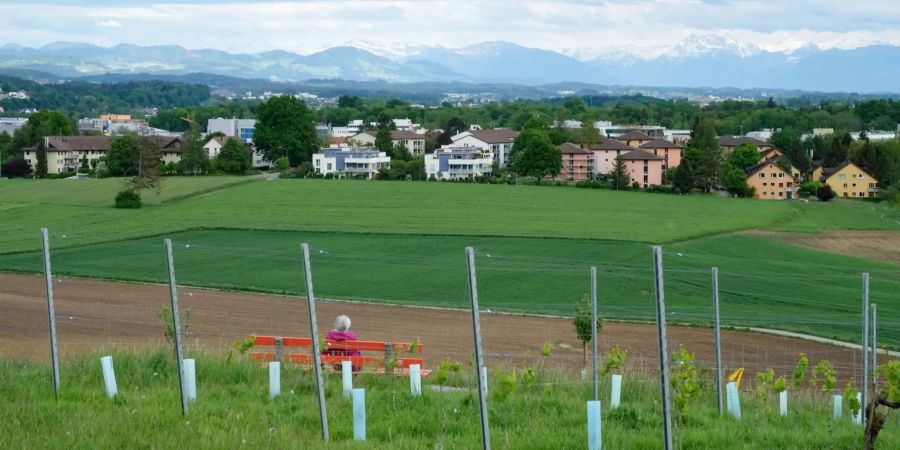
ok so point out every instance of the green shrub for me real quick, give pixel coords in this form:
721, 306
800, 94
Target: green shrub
128, 199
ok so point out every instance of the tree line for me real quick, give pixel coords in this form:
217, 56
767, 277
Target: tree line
81, 98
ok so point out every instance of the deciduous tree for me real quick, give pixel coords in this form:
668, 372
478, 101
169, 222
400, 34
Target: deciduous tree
534, 155
285, 126
234, 158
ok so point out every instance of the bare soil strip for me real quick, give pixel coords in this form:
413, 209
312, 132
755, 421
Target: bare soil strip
876, 245
95, 316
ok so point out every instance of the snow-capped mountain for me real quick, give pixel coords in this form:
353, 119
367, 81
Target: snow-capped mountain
701, 60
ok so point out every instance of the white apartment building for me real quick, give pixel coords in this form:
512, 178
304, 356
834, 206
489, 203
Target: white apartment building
497, 141
454, 163
350, 161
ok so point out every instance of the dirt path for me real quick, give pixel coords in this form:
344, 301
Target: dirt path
96, 315
877, 245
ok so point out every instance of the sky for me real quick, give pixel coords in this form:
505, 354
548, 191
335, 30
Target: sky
584, 27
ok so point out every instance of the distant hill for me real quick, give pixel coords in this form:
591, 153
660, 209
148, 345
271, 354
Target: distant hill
691, 64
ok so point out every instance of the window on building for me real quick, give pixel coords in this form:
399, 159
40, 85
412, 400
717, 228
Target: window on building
328, 167
842, 176
860, 176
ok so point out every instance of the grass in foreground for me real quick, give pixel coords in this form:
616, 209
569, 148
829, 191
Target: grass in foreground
233, 411
762, 283
80, 210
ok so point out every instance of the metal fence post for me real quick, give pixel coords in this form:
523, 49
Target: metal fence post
51, 311
874, 347
176, 326
594, 332
718, 342
479, 357
865, 339
314, 332
663, 357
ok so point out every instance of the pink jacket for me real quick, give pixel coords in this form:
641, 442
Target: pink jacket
335, 335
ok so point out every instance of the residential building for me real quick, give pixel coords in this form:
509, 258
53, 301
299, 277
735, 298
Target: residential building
350, 161
848, 180
729, 143
618, 131
634, 139
644, 168
771, 182
605, 154
66, 153
169, 149
9, 125
344, 132
498, 141
763, 135
770, 154
678, 136
454, 163
577, 163
323, 130
415, 143
670, 151
239, 128
214, 146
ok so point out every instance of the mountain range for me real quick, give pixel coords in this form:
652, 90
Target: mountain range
697, 62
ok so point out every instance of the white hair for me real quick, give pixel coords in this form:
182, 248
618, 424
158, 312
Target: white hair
342, 323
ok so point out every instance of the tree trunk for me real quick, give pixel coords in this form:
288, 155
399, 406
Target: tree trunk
876, 419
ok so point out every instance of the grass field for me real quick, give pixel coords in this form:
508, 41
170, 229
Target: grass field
233, 411
415, 208
762, 283
101, 192
402, 242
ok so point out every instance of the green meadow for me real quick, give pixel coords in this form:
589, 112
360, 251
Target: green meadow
233, 410
403, 243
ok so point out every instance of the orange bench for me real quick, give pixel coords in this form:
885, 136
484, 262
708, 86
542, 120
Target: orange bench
386, 349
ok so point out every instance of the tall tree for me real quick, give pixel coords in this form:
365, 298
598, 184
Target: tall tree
39, 125
744, 156
452, 127
735, 181
285, 126
400, 152
121, 155
41, 170
5, 143
234, 158
590, 135
534, 155
194, 159
146, 162
383, 141
705, 143
619, 174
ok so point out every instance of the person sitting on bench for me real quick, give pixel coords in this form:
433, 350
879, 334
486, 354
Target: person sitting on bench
341, 332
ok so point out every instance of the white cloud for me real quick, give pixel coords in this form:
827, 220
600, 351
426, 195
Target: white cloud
109, 23
648, 26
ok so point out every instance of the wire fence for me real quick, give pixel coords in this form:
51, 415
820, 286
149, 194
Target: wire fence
264, 271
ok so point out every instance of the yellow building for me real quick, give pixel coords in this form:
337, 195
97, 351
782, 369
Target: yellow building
848, 180
771, 182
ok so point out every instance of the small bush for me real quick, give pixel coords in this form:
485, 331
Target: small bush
825, 193
16, 168
128, 199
